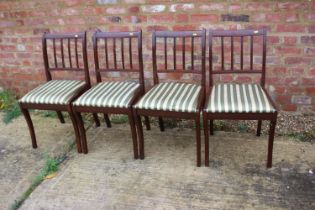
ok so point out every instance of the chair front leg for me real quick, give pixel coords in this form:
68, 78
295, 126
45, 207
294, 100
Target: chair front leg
258, 128
140, 136
30, 126
133, 134
96, 120
60, 116
76, 131
82, 132
206, 131
270, 142
198, 141
107, 121
161, 124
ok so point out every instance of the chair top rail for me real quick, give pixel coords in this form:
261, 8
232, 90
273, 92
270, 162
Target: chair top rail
64, 35
198, 33
124, 34
229, 33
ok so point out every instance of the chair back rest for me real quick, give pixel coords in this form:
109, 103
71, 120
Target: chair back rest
118, 52
190, 51
65, 52
245, 64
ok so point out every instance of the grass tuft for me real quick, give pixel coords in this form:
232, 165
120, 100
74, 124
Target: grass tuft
51, 166
9, 105
304, 136
119, 119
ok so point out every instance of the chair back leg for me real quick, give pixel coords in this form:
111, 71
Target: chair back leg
270, 141
147, 123
96, 120
60, 116
259, 128
161, 124
211, 127
107, 121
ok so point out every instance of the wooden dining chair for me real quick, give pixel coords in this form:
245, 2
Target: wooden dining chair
175, 99
61, 53
239, 101
115, 97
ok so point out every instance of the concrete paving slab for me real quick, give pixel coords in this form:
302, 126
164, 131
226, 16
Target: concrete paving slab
19, 162
109, 178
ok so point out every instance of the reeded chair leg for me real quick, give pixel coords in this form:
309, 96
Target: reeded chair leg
76, 131
82, 132
198, 142
147, 123
211, 127
161, 124
133, 134
258, 128
206, 131
270, 142
107, 121
60, 116
96, 120
140, 136
30, 126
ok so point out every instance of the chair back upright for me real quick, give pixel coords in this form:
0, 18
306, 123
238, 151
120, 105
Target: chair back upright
65, 52
247, 63
119, 52
192, 45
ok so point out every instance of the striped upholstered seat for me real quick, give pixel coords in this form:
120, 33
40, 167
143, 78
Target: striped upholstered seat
171, 96
239, 98
53, 92
108, 94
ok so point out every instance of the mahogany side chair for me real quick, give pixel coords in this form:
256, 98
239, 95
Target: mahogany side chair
61, 53
239, 101
115, 97
175, 99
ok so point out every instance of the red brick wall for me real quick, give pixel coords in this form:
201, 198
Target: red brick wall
290, 24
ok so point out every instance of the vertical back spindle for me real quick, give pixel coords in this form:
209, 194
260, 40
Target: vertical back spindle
62, 54
76, 52
184, 53
130, 53
122, 53
69, 53
106, 53
232, 52
55, 56
165, 52
251, 52
114, 52
242, 52
192, 53
222, 53
174, 52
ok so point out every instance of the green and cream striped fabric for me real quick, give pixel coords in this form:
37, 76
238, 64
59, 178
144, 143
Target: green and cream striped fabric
108, 94
171, 96
53, 92
238, 98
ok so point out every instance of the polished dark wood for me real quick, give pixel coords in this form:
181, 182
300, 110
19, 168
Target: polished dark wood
48, 69
164, 35
114, 65
272, 117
